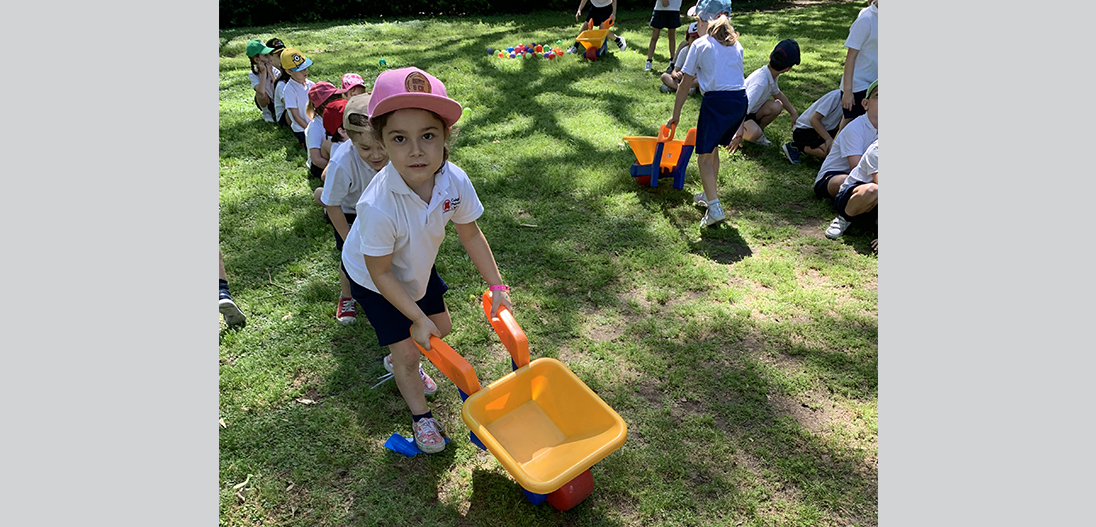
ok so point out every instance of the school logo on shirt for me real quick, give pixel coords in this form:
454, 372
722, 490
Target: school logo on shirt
416, 82
450, 204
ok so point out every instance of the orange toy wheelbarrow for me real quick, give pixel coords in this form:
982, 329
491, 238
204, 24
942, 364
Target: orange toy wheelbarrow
543, 424
593, 40
673, 156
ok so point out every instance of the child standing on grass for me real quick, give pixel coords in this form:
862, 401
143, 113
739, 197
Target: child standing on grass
761, 85
600, 11
815, 129
667, 15
861, 62
296, 90
350, 171
390, 251
262, 77
715, 59
319, 96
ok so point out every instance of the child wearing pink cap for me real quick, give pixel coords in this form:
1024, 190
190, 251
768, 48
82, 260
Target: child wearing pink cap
390, 251
352, 84
319, 96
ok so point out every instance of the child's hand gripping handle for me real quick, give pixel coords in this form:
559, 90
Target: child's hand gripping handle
452, 365
509, 332
666, 133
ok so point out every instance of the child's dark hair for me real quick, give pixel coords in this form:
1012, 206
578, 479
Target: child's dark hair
253, 68
380, 121
722, 31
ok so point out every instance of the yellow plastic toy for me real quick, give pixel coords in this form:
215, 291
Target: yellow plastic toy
593, 40
541, 422
673, 156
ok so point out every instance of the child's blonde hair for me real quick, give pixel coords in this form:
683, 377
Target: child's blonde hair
722, 31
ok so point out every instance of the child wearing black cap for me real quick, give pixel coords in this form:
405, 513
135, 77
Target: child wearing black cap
761, 85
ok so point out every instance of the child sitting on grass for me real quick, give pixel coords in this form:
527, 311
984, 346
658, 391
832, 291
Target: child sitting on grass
319, 96
761, 85
402, 216
815, 129
348, 174
671, 79
858, 199
850, 144
262, 77
296, 90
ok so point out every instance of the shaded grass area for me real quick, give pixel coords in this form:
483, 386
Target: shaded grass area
743, 357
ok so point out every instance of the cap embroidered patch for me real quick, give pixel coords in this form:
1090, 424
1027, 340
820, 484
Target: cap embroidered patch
416, 82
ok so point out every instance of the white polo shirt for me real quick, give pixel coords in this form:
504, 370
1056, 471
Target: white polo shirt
398, 222
869, 164
296, 96
347, 177
279, 100
315, 133
675, 5
853, 140
716, 67
829, 105
760, 85
864, 37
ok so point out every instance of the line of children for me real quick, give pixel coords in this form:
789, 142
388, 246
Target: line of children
319, 96
667, 15
391, 249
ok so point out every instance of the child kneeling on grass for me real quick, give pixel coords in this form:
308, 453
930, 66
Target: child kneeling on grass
350, 171
815, 129
390, 252
761, 85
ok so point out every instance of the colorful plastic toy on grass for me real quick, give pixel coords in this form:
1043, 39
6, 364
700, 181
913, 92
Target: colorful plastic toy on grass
543, 424
673, 156
593, 40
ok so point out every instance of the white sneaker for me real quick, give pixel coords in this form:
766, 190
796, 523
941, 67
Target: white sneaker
621, 43
713, 216
837, 228
665, 89
572, 50
762, 141
700, 199
268, 116
647, 67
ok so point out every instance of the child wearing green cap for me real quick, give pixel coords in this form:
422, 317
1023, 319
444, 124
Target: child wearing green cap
262, 76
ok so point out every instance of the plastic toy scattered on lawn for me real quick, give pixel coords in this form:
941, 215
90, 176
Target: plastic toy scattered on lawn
543, 424
528, 51
673, 156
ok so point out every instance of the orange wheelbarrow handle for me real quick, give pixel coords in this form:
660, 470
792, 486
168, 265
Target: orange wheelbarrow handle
509, 332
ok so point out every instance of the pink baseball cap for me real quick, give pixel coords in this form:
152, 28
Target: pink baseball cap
349, 81
320, 92
412, 88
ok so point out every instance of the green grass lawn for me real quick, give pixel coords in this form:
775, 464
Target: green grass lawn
743, 358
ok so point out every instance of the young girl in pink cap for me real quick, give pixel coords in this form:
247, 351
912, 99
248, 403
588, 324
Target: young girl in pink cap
390, 250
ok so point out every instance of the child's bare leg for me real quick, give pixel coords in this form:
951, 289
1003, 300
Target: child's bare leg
405, 365
863, 199
768, 112
752, 131
820, 151
709, 172
673, 39
344, 285
669, 80
654, 41
834, 184
221, 264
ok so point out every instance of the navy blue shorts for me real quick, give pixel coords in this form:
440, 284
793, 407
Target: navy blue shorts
807, 137
314, 170
857, 105
389, 323
350, 217
842, 200
599, 14
665, 19
721, 114
820, 189
299, 136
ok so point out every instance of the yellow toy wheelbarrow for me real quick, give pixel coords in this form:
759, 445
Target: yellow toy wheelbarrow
593, 40
543, 424
672, 156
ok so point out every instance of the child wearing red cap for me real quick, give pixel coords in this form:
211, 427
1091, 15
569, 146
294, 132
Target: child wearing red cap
336, 135
319, 96
350, 171
390, 251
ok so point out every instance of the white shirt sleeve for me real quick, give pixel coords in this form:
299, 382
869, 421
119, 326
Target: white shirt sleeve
315, 133
858, 33
337, 184
378, 231
470, 206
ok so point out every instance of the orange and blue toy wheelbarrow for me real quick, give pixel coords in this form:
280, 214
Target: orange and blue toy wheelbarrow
593, 40
543, 424
673, 156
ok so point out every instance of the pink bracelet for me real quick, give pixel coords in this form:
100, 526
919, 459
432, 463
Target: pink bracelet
502, 287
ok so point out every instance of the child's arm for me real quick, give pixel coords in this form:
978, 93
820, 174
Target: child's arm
297, 117
875, 177
380, 270
816, 123
480, 252
316, 156
682, 96
846, 80
787, 106
325, 150
338, 219
578, 14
